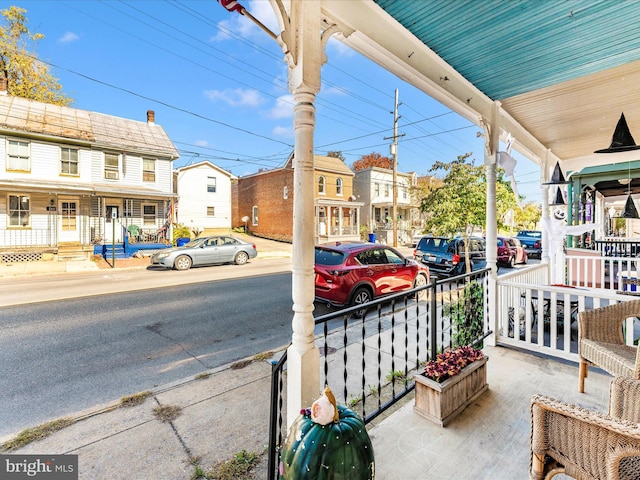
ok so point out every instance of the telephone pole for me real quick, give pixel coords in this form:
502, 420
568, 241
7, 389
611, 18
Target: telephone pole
393, 148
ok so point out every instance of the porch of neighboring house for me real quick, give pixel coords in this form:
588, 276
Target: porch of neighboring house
337, 221
121, 228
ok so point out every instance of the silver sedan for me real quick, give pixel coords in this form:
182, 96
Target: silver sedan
206, 251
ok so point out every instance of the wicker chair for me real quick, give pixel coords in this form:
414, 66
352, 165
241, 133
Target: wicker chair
587, 445
601, 343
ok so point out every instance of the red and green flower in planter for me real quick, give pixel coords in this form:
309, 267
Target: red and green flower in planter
450, 362
327, 442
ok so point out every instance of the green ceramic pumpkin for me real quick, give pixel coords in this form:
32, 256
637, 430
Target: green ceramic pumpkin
338, 451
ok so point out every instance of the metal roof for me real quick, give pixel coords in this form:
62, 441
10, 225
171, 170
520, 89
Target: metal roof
21, 116
563, 71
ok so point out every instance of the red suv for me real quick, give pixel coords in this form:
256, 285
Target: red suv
352, 273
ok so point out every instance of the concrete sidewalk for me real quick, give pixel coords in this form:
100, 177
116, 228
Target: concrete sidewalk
219, 414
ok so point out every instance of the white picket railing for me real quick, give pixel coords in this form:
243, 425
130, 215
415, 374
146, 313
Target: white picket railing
531, 313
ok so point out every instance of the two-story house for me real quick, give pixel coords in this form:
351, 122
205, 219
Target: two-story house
263, 202
374, 187
71, 179
204, 198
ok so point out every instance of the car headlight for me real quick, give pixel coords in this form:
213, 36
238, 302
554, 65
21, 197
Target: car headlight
160, 256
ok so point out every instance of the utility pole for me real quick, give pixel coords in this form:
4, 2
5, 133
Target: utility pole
394, 152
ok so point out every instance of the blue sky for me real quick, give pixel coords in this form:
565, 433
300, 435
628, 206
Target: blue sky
218, 85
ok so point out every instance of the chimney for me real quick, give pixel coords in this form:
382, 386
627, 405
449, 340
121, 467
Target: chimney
151, 117
3, 86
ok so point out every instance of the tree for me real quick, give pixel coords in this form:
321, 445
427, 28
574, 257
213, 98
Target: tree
336, 154
26, 76
527, 216
373, 159
459, 203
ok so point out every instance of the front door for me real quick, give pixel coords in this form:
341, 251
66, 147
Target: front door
68, 223
112, 217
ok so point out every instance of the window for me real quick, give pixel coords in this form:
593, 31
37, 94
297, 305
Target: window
376, 189
321, 185
148, 214
68, 215
339, 186
285, 193
211, 184
254, 216
19, 211
68, 161
111, 166
148, 170
211, 211
18, 156
386, 190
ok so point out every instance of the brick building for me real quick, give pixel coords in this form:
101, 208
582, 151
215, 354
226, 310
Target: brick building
263, 202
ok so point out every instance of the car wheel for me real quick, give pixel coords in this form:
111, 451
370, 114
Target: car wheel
511, 262
182, 263
241, 258
361, 295
420, 281
525, 259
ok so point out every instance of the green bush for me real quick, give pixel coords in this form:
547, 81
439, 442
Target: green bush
467, 315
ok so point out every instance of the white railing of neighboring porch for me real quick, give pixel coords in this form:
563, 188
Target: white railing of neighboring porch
525, 296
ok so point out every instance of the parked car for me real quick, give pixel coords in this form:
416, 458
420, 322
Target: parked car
353, 273
446, 256
532, 242
206, 251
510, 252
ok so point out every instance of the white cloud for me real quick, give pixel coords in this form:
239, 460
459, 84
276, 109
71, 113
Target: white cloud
236, 97
283, 107
68, 37
285, 132
201, 143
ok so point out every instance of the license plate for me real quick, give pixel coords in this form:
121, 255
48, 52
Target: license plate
430, 258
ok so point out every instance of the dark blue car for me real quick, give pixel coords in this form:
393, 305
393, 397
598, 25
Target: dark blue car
446, 257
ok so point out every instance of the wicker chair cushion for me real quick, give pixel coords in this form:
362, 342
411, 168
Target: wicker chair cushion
618, 360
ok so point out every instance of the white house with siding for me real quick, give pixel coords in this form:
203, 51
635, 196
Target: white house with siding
204, 197
374, 187
71, 179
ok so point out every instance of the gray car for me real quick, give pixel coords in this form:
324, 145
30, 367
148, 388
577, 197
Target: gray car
206, 251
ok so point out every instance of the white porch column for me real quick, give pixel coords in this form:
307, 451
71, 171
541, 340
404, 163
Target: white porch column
492, 139
301, 37
545, 258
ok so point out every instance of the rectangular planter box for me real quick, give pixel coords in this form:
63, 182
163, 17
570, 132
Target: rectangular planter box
441, 402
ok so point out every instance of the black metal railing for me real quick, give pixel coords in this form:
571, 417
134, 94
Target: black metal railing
369, 359
618, 248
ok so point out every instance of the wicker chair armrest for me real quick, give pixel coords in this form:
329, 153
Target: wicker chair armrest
573, 435
624, 399
604, 324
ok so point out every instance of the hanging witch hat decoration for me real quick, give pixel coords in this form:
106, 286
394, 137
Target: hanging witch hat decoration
557, 177
559, 200
630, 210
622, 141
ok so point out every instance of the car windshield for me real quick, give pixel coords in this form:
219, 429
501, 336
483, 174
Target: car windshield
329, 257
531, 234
195, 242
433, 244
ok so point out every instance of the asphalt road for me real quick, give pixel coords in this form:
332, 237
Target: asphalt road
60, 357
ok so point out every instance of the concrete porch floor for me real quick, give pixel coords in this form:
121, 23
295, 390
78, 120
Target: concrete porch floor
490, 438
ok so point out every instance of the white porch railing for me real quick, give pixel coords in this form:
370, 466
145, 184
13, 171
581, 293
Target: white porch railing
531, 313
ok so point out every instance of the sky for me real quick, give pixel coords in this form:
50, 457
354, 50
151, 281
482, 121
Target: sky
218, 86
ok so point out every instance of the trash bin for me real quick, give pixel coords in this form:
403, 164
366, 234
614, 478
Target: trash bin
182, 241
629, 280
372, 237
